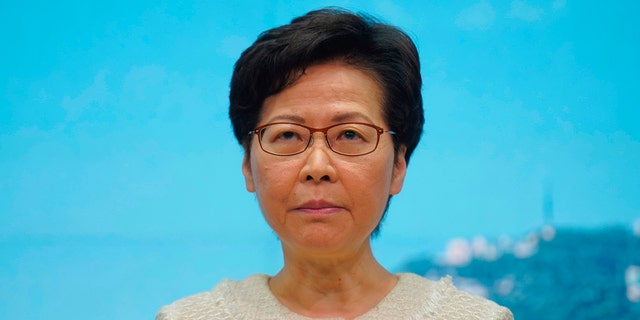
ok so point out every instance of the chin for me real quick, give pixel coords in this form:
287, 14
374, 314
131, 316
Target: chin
326, 242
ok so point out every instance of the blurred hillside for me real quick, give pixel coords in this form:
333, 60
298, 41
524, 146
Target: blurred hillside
574, 274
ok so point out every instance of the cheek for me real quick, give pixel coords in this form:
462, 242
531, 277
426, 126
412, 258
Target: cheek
273, 181
382, 172
274, 187
368, 182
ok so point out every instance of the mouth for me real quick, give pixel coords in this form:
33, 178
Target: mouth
318, 207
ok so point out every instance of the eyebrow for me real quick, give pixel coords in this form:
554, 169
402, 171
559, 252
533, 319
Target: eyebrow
347, 116
350, 116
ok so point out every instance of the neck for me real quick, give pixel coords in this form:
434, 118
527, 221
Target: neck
332, 286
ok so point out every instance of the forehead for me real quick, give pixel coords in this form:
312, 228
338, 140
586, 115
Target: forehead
329, 92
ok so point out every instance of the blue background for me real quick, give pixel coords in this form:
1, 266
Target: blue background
120, 181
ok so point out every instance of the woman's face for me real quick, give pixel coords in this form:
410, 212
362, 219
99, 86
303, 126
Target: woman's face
320, 202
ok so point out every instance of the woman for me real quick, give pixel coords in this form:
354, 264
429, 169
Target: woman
328, 110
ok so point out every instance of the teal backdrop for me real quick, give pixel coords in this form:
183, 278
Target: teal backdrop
120, 181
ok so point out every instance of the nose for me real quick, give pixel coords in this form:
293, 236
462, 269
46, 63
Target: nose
319, 165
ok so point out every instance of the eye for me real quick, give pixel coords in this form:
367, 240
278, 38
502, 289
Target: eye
283, 133
350, 135
288, 135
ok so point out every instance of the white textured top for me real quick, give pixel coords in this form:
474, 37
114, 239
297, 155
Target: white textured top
414, 297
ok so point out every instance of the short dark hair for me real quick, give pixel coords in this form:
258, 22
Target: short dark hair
280, 56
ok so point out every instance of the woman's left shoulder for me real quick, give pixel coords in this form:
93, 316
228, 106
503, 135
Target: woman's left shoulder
442, 300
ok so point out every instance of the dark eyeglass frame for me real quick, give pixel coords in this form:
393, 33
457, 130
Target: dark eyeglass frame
379, 130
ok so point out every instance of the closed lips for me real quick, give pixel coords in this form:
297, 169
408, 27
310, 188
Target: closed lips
319, 206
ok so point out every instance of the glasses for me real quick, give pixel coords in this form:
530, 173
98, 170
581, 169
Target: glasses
349, 138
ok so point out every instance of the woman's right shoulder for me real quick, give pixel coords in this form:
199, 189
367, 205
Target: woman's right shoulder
211, 304
188, 308
203, 305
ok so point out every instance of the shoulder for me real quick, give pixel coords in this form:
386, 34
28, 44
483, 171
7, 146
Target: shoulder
197, 306
442, 300
215, 304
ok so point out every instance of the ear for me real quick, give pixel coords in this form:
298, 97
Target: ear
248, 175
399, 171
